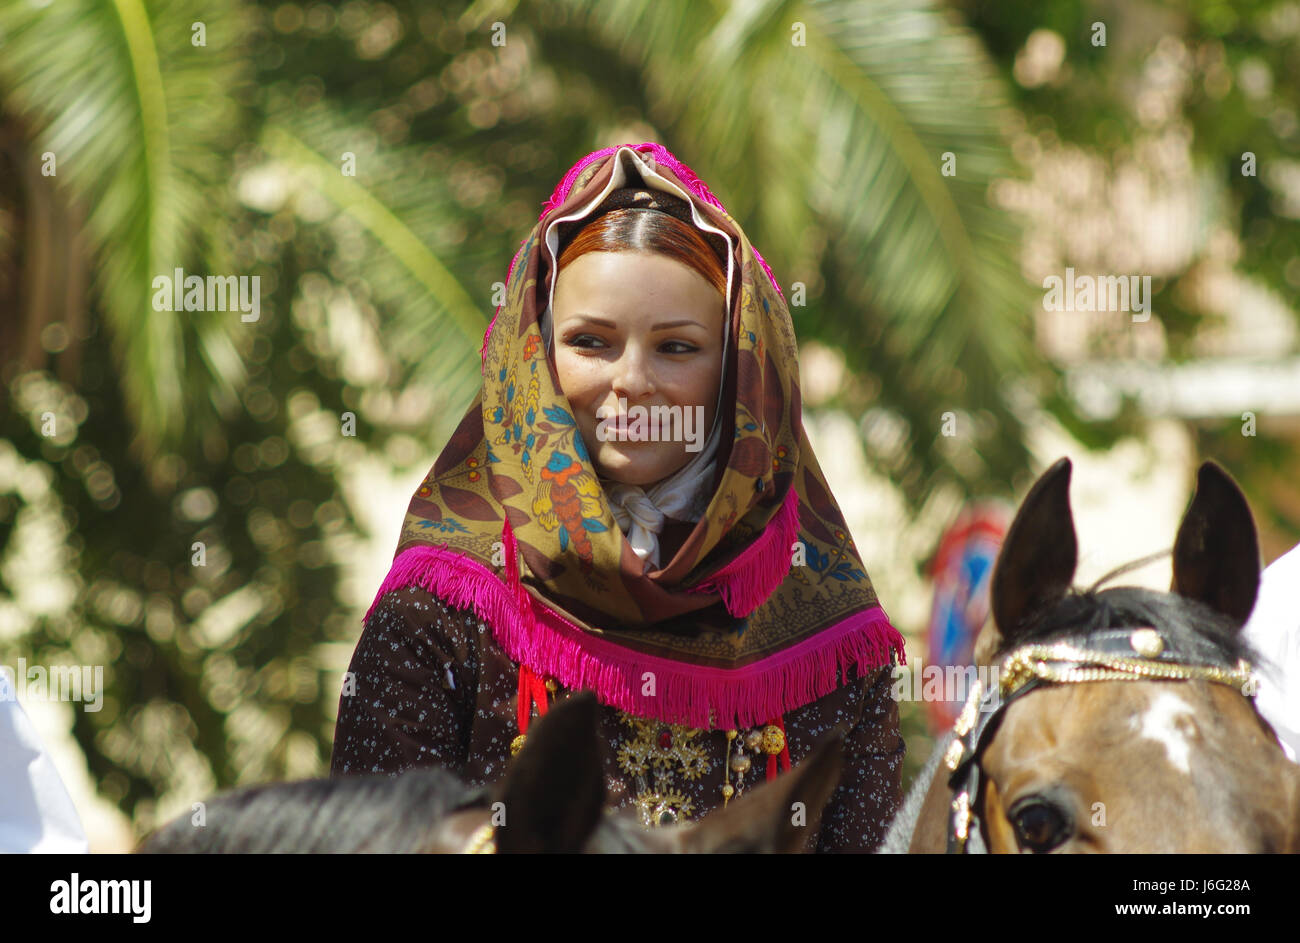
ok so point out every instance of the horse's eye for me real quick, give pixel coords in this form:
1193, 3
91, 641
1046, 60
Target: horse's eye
1040, 826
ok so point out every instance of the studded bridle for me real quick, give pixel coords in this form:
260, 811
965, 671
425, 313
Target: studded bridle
1130, 654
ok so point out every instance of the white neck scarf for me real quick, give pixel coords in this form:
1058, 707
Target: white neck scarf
683, 495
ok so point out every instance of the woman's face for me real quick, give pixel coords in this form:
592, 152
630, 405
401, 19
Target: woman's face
637, 338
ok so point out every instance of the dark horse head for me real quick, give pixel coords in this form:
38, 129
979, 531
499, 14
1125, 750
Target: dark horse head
552, 799
1092, 760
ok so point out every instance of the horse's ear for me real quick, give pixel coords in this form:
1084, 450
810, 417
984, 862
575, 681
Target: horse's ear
554, 790
1216, 555
778, 817
1036, 564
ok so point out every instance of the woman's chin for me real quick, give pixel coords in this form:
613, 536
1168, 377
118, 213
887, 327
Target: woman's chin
630, 465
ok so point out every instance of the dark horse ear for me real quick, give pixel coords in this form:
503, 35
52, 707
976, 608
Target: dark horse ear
554, 790
1036, 564
1216, 555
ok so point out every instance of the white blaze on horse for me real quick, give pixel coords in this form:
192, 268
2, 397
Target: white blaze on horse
1124, 718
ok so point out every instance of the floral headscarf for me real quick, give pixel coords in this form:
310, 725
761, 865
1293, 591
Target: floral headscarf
765, 607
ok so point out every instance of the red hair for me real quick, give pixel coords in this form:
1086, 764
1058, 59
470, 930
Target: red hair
633, 229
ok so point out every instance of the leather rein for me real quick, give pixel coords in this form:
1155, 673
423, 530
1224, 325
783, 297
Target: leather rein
1130, 654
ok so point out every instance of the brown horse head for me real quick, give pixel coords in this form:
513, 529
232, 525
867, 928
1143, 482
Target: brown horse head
1129, 765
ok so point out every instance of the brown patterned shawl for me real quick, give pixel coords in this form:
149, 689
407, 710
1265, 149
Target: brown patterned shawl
764, 606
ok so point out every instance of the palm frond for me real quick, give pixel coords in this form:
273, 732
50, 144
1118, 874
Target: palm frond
847, 133
416, 233
139, 120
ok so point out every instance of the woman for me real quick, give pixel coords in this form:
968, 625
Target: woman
704, 587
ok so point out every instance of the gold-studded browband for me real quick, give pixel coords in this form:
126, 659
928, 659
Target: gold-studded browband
1065, 663
1131, 654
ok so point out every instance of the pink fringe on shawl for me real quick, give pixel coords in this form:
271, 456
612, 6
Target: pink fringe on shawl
661, 155
748, 580
536, 636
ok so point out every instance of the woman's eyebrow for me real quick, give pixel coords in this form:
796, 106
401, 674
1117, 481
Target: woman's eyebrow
661, 326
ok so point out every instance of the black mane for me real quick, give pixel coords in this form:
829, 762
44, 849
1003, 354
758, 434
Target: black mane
1191, 628
339, 815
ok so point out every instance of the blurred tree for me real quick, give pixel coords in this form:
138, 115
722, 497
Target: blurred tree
1226, 77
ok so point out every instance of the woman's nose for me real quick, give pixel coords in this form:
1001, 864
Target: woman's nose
633, 377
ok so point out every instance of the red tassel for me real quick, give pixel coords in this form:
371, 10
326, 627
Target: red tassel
532, 690
524, 709
539, 695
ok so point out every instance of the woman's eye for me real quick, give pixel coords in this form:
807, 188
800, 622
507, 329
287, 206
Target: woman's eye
1039, 825
591, 342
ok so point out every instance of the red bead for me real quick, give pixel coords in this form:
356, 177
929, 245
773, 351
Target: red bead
665, 739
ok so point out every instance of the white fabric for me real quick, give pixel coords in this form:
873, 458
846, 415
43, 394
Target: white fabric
36, 812
683, 495
1274, 631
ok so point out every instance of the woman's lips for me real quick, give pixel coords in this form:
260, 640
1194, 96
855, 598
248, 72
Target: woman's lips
647, 427
622, 425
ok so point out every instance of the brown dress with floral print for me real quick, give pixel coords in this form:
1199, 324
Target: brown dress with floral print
432, 687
